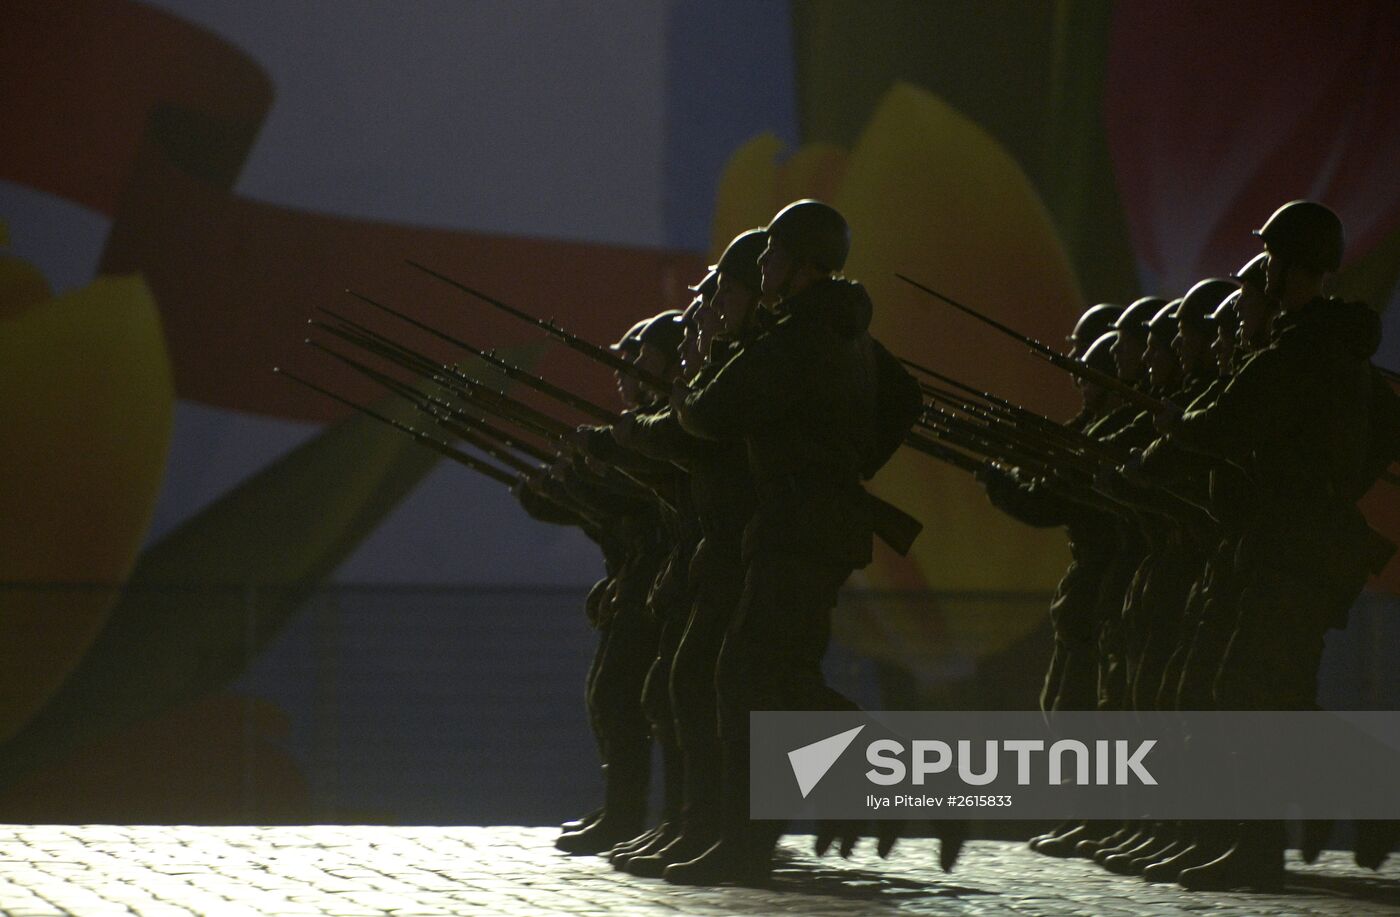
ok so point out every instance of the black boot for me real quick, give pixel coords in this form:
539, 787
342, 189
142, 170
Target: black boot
952, 835
1254, 862
1316, 834
1158, 839
1171, 841
744, 852
699, 820
1133, 839
1090, 846
574, 824
1209, 839
1063, 845
1374, 841
672, 803
1063, 827
625, 779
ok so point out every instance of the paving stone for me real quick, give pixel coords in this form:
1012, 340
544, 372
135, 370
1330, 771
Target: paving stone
358, 871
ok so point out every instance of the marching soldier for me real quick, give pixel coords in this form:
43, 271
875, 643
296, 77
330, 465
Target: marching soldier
723, 496
805, 398
1298, 414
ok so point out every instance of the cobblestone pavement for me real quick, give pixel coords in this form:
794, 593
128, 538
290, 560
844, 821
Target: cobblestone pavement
352, 871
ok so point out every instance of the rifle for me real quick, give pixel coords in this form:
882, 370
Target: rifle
438, 446
477, 433
511, 371
1010, 430
573, 341
458, 383
935, 449
1052, 356
1019, 414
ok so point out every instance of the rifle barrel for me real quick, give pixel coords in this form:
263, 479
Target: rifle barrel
511, 371
461, 458
1049, 354
578, 344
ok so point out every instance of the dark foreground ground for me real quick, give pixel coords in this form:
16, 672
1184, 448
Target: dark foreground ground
335, 870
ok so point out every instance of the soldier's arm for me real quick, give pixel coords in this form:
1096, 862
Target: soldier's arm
538, 502
1248, 406
756, 388
659, 435
1024, 502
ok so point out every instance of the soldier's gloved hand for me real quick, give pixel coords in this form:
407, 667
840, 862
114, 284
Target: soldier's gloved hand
578, 438
625, 429
679, 391
1132, 471
1168, 419
1109, 482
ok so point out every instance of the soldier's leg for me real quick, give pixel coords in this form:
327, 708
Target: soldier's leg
656, 702
616, 702
770, 660
719, 586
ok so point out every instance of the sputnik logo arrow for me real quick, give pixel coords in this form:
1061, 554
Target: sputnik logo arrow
811, 762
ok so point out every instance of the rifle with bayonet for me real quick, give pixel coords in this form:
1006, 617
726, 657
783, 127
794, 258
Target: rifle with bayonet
472, 391
491, 440
550, 327
449, 378
1015, 413
437, 445
1052, 356
511, 371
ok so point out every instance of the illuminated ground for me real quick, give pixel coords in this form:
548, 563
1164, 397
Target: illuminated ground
351, 871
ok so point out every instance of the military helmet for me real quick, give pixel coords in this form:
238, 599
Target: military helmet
1134, 319
631, 342
1100, 353
706, 287
814, 232
663, 331
1227, 313
1093, 323
1252, 274
740, 259
1163, 323
1305, 233
1202, 299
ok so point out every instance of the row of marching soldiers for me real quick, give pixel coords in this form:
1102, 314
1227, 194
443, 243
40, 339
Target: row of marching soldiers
1209, 563
769, 405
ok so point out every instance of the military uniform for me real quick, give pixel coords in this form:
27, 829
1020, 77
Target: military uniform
805, 400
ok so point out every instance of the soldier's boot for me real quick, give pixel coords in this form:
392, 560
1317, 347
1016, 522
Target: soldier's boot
1119, 863
574, 824
1374, 841
699, 825
952, 836
1172, 840
1254, 862
617, 855
1062, 845
1208, 840
1090, 846
1134, 838
744, 852
672, 803
1316, 834
625, 779
744, 857
1063, 827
